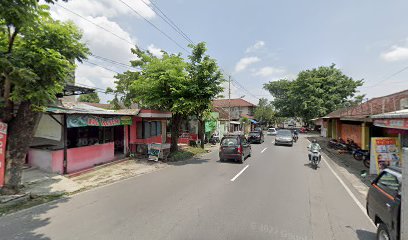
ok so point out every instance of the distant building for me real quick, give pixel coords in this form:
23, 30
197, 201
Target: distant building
240, 108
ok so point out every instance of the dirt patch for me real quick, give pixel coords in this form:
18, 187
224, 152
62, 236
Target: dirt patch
115, 172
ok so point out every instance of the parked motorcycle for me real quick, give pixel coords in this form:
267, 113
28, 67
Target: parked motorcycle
214, 140
360, 154
339, 144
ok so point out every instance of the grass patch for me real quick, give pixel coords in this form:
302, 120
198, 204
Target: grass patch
187, 153
31, 202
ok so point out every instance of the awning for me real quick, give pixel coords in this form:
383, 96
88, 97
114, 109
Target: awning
235, 122
392, 123
253, 121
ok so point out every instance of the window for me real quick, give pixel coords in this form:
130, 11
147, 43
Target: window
158, 127
153, 129
146, 130
229, 142
389, 183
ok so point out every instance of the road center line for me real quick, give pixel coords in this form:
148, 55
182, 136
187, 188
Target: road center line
263, 150
233, 179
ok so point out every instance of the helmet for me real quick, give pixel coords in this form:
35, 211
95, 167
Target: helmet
314, 141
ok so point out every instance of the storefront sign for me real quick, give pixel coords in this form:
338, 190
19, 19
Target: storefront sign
384, 152
392, 123
3, 138
89, 120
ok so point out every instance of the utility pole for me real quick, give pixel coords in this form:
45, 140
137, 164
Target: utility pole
404, 196
229, 103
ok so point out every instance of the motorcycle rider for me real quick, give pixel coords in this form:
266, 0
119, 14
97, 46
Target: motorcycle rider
295, 135
314, 146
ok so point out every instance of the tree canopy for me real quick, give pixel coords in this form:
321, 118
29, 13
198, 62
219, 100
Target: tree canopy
91, 98
37, 58
313, 93
265, 112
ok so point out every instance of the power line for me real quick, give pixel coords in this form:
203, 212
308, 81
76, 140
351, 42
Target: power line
101, 66
114, 62
154, 26
121, 38
387, 78
165, 18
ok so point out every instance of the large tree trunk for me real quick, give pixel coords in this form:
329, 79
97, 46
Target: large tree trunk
175, 126
21, 132
201, 131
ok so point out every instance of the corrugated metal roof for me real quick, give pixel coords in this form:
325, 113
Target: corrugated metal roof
81, 108
396, 114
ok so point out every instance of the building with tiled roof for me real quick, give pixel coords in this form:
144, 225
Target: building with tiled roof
239, 107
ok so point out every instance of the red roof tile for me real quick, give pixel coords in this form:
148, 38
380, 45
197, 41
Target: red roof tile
239, 102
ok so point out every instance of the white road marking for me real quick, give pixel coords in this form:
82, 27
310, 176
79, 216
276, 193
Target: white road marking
263, 150
362, 208
233, 179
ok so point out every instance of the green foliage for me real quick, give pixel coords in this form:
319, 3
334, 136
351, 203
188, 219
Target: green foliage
123, 91
313, 93
265, 112
42, 59
205, 80
91, 98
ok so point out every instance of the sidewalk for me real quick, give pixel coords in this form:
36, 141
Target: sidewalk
347, 166
40, 186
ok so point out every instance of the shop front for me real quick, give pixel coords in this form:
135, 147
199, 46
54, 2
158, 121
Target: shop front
68, 140
390, 135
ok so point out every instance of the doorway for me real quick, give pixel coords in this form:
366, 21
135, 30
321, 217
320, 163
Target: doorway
118, 137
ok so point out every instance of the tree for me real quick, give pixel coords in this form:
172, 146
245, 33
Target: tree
123, 91
265, 112
161, 84
313, 93
204, 85
91, 98
37, 56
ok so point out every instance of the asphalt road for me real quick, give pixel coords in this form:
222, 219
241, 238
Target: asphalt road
277, 196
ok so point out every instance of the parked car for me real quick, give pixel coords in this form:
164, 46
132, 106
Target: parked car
271, 131
235, 147
256, 137
284, 137
303, 130
384, 203
259, 129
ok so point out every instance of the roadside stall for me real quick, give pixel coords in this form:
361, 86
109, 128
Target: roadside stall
76, 136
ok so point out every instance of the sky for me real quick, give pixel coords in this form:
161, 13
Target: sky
253, 41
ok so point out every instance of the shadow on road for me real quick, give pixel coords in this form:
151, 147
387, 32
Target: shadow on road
25, 224
311, 166
365, 235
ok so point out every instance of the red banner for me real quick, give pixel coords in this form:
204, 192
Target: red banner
3, 138
392, 123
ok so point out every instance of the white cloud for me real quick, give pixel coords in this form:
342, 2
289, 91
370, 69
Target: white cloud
256, 46
109, 8
243, 63
155, 51
396, 53
269, 71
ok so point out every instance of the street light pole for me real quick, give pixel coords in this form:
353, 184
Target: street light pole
229, 103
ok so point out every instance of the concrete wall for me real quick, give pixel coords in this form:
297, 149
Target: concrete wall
78, 158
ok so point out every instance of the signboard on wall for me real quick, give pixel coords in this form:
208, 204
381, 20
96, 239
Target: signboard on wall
49, 128
385, 151
3, 140
89, 120
392, 123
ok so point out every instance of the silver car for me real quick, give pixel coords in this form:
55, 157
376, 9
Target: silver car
284, 137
